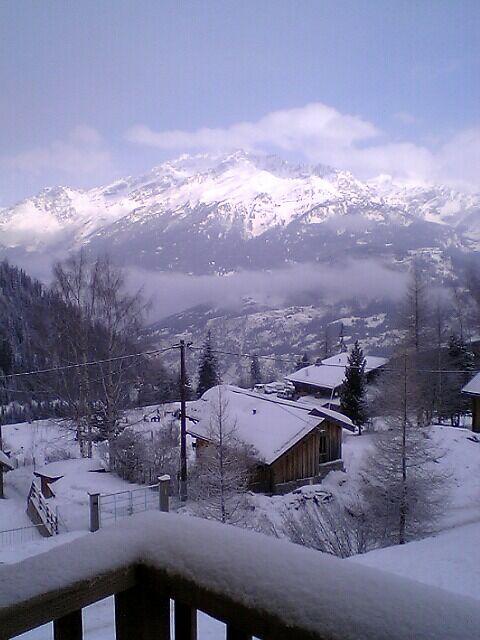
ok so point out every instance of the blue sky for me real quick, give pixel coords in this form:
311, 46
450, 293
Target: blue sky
95, 90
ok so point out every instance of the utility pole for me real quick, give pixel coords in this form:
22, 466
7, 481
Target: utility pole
183, 424
403, 504
2, 494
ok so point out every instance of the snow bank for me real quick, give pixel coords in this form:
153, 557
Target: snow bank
330, 597
450, 560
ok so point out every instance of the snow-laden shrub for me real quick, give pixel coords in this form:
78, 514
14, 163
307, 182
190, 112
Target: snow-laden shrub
329, 527
142, 457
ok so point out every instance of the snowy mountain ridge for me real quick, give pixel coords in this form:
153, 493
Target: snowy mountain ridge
239, 196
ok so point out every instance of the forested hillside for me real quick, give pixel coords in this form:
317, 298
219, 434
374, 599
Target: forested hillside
25, 307
86, 316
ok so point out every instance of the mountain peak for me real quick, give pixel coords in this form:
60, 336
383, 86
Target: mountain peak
240, 193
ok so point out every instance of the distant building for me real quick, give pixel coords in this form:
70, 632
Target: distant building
297, 444
324, 380
472, 389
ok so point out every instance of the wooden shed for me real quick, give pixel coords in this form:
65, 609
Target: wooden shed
472, 389
324, 380
297, 444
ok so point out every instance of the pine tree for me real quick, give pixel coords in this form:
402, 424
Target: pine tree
255, 372
460, 366
208, 376
352, 397
6, 356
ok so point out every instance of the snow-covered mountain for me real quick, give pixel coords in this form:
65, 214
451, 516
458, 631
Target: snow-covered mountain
217, 213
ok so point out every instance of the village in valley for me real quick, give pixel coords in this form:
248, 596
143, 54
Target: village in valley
348, 454
368, 457
239, 320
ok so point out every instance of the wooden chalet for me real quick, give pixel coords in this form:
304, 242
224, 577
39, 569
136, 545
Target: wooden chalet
472, 389
323, 381
297, 444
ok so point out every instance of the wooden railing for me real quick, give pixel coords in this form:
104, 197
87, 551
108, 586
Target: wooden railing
40, 512
256, 585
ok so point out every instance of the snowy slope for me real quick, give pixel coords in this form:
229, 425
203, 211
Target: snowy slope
449, 560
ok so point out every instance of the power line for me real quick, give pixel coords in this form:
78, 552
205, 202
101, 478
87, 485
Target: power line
237, 354
77, 365
342, 366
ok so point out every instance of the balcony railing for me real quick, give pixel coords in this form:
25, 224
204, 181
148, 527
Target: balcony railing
258, 586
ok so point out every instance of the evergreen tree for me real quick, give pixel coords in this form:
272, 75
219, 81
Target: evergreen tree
255, 372
208, 369
6, 356
352, 396
460, 366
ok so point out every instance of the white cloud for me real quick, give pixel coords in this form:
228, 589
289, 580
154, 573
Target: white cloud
320, 133
83, 153
362, 279
290, 130
405, 117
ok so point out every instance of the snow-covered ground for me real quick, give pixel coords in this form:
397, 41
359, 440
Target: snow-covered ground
450, 559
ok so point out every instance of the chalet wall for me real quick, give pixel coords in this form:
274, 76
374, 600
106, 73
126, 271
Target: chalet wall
324, 470
304, 459
476, 414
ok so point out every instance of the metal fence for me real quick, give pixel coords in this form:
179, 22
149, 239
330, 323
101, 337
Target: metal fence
10, 538
113, 506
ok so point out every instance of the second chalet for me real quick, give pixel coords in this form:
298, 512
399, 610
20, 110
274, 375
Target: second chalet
322, 382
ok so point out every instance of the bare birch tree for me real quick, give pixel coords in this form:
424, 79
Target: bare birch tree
403, 489
97, 320
219, 479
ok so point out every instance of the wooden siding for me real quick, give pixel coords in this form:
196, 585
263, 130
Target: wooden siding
476, 414
303, 460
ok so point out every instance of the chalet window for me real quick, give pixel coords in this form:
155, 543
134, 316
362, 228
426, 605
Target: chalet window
322, 447
322, 444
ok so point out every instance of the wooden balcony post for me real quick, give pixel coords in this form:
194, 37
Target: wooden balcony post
68, 627
140, 614
234, 633
94, 511
185, 622
163, 492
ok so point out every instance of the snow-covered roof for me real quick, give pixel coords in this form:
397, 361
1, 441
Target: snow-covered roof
272, 425
5, 460
318, 375
473, 387
320, 401
371, 362
330, 374
335, 416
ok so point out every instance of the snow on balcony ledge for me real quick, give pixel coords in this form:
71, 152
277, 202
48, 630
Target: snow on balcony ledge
301, 587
